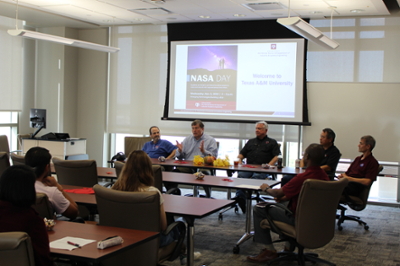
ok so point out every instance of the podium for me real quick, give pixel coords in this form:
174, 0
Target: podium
74, 149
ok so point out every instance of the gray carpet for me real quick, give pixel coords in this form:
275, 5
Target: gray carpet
352, 246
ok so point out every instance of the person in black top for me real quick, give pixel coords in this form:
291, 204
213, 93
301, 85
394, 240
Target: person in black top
331, 155
260, 150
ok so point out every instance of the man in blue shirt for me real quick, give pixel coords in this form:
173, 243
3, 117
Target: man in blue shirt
198, 143
158, 147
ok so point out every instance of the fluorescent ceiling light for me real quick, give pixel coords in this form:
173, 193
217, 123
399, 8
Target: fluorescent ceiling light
53, 38
306, 30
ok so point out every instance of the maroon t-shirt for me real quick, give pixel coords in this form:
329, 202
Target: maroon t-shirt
14, 218
367, 168
293, 187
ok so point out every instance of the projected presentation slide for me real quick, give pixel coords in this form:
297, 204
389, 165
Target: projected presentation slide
237, 80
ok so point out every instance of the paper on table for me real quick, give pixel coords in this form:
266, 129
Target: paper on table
248, 186
63, 242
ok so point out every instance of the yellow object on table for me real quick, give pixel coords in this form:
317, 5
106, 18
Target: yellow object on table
198, 160
222, 162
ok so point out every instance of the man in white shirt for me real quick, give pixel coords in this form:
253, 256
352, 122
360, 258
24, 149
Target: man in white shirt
39, 159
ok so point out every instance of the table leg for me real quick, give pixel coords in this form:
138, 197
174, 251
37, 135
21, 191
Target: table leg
248, 233
190, 241
196, 191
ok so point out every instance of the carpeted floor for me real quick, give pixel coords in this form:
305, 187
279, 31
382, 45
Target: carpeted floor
354, 246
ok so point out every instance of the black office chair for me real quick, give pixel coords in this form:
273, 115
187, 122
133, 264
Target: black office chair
355, 203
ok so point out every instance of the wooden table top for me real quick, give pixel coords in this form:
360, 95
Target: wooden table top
244, 167
90, 252
216, 181
177, 205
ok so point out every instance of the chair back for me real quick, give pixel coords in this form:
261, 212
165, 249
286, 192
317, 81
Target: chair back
76, 172
17, 159
16, 249
135, 143
316, 211
157, 174
133, 210
20, 137
4, 161
43, 206
4, 145
118, 167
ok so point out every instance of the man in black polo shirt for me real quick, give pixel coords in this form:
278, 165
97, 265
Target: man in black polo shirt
260, 150
331, 155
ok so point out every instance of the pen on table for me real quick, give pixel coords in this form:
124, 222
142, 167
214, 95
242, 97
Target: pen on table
74, 244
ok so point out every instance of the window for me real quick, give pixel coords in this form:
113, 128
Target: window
9, 127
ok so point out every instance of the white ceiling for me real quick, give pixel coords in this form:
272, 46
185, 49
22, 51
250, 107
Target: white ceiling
94, 13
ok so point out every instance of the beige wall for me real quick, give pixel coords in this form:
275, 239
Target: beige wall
353, 110
71, 83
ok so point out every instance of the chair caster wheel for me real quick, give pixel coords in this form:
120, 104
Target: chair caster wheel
366, 227
340, 228
220, 217
236, 250
236, 209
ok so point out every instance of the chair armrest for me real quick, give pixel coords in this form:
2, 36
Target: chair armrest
173, 191
268, 206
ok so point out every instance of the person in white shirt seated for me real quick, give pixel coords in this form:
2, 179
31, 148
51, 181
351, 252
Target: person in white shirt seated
39, 159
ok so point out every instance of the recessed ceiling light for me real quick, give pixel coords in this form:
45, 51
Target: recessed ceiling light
239, 15
204, 17
138, 19
316, 12
357, 10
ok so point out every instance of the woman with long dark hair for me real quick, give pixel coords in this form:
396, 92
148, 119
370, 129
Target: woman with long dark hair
137, 176
17, 195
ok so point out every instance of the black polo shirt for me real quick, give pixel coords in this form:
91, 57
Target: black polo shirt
259, 151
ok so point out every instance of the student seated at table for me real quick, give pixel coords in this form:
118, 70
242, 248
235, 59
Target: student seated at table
17, 195
137, 176
39, 159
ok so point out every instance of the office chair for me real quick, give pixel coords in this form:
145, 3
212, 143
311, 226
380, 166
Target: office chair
76, 172
17, 159
118, 167
4, 161
314, 222
4, 146
43, 206
16, 249
134, 143
355, 203
140, 211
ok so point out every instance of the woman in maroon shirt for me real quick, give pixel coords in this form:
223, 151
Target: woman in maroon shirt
17, 195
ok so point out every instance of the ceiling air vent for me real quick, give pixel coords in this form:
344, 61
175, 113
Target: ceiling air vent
264, 6
151, 11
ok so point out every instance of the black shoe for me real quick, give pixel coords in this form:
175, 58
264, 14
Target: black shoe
241, 202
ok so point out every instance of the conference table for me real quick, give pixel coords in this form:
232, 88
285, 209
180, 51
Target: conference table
241, 167
90, 253
248, 185
191, 208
